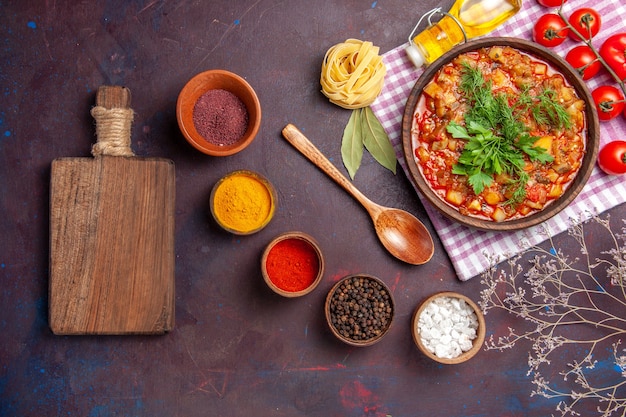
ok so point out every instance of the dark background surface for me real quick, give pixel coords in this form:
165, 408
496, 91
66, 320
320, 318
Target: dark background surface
237, 349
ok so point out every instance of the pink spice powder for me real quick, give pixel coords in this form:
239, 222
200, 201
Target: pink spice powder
220, 117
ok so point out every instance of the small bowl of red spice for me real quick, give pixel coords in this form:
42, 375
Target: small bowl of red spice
292, 264
218, 112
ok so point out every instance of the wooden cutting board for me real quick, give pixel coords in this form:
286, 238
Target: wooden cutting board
112, 233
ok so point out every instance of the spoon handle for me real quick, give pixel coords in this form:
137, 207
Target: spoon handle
304, 145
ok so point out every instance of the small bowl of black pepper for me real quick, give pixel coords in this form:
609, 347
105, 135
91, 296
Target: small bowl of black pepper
359, 310
218, 112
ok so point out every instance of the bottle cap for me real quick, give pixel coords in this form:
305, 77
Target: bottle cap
415, 55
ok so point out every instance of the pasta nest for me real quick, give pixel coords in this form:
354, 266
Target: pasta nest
352, 74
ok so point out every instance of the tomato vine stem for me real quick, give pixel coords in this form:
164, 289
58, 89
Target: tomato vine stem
588, 41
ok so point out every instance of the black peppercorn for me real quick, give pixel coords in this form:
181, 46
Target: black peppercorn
360, 308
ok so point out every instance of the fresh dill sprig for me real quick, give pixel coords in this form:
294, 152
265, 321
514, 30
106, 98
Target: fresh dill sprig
484, 106
496, 139
524, 100
519, 191
509, 126
547, 111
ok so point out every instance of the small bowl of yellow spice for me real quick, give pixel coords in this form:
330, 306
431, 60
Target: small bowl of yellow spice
243, 202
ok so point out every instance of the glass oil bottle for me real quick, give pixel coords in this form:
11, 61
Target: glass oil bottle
466, 19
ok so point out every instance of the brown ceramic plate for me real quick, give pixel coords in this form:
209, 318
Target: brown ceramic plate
589, 158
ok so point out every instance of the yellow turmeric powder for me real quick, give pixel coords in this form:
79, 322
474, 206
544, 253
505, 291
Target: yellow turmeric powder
242, 202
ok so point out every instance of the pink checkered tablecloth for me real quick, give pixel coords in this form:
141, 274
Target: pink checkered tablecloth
466, 247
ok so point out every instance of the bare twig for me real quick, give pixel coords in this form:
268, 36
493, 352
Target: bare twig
558, 295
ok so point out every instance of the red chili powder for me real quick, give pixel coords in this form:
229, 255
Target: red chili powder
292, 265
220, 117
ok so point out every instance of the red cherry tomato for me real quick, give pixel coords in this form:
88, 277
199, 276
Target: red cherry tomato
586, 21
584, 60
613, 51
550, 30
551, 3
612, 158
609, 101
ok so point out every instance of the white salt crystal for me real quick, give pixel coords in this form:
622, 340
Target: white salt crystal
465, 343
435, 333
442, 351
447, 326
456, 350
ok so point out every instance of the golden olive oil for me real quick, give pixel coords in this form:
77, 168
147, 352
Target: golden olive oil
466, 19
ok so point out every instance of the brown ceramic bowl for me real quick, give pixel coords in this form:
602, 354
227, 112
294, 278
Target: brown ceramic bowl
337, 323
477, 342
212, 80
308, 245
592, 131
260, 184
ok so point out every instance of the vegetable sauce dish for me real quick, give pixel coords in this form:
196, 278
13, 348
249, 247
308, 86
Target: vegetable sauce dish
500, 134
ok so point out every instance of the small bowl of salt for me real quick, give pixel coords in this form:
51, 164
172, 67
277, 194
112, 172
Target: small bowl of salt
448, 327
218, 112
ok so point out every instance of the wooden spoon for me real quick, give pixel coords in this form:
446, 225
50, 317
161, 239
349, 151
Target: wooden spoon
404, 236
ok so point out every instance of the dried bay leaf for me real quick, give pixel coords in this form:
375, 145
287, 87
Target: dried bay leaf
376, 141
352, 143
364, 131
